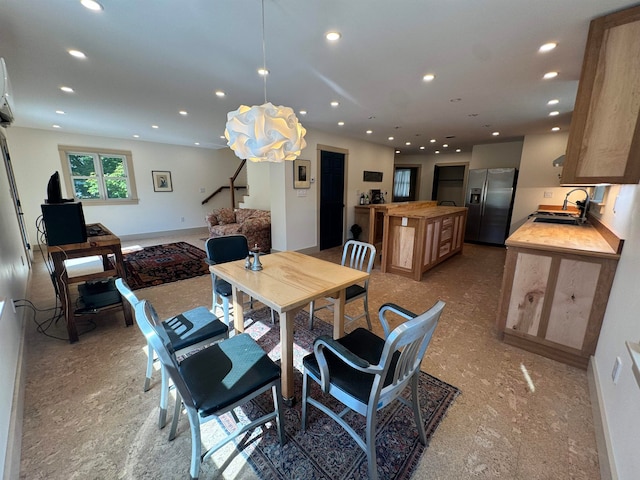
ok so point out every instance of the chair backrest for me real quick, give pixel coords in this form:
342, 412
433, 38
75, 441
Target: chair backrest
150, 325
358, 255
227, 248
403, 352
126, 292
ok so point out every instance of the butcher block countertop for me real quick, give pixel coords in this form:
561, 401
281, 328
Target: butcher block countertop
591, 238
426, 212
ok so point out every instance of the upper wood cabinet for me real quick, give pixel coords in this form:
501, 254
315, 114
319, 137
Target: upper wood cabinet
604, 139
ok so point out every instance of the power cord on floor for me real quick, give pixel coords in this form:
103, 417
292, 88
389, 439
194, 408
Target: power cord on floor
42, 327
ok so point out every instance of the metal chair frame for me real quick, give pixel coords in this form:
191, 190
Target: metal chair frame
398, 366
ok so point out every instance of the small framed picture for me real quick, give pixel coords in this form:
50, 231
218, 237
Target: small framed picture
301, 173
161, 181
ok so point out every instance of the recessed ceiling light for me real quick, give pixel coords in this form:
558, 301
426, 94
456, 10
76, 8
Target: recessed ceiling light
547, 47
135, 135
555, 101
495, 134
421, 147
437, 151
397, 151
67, 89
390, 138
555, 129
554, 113
91, 5
341, 123
60, 112
455, 100
223, 137
303, 112
407, 143
196, 143
263, 71
333, 36
219, 93
428, 77
549, 75
458, 150
445, 145
184, 113
155, 126
55, 126
77, 53
433, 140
369, 132
335, 104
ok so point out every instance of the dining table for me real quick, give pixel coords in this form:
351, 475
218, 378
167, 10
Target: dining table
287, 282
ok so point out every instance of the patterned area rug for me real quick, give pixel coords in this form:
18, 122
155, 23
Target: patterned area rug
325, 450
164, 264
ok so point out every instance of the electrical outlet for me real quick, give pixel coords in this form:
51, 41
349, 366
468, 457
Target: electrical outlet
548, 194
182, 219
617, 367
202, 190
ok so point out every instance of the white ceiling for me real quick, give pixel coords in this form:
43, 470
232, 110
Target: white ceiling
148, 59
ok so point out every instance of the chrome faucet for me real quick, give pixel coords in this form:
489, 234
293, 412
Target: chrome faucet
583, 206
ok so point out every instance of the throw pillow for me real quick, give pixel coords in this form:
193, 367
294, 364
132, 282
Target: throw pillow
225, 216
242, 214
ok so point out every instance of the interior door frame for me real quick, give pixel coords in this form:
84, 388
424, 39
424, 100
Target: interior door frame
328, 148
464, 181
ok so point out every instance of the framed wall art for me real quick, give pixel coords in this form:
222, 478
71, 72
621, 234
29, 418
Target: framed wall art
301, 173
161, 181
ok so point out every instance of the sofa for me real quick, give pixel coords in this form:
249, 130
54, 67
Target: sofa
252, 223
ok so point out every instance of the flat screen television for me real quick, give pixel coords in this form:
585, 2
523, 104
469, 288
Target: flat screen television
54, 190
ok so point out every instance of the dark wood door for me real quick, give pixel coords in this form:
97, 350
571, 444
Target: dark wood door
331, 199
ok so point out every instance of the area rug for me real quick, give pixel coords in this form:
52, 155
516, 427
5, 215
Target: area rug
164, 264
325, 450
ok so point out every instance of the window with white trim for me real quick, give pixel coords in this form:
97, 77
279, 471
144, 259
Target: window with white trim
98, 176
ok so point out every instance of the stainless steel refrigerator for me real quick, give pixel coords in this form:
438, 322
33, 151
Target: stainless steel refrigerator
490, 193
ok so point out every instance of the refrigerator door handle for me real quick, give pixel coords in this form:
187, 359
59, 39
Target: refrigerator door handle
483, 201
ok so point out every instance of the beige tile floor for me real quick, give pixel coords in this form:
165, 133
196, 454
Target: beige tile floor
520, 416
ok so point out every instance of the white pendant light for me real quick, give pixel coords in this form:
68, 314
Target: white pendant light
265, 133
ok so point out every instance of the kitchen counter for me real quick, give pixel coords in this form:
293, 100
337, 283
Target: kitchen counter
584, 239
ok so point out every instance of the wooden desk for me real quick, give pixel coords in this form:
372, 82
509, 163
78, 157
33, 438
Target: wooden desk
95, 245
287, 283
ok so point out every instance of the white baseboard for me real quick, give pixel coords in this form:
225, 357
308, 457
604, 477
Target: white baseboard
600, 424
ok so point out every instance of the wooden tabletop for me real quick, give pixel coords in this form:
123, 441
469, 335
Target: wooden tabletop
289, 279
427, 212
579, 239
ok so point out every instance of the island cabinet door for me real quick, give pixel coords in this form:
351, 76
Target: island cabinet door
529, 289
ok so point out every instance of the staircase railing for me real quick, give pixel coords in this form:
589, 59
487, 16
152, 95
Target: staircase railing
232, 187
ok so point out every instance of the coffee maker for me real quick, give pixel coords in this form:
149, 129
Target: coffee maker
376, 196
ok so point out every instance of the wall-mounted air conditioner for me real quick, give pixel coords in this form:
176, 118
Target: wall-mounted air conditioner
6, 98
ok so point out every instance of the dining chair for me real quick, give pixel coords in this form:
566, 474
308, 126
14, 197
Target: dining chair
214, 381
187, 331
366, 373
224, 249
358, 255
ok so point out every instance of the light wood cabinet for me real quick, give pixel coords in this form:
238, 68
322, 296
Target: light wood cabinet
416, 240
604, 139
553, 303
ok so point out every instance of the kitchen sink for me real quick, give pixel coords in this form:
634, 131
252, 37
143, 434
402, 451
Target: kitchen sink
559, 217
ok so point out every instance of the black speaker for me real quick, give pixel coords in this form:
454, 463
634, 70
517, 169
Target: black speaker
64, 223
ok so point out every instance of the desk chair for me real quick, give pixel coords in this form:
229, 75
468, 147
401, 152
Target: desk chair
361, 256
366, 373
187, 331
215, 381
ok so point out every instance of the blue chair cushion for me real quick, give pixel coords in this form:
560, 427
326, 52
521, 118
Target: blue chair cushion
364, 344
226, 372
192, 327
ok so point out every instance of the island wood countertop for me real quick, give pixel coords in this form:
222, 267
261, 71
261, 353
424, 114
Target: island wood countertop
587, 239
426, 212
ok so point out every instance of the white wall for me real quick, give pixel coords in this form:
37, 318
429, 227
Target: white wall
427, 163
35, 157
13, 284
497, 155
620, 403
537, 175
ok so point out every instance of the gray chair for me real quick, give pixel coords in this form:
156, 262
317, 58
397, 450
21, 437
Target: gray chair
366, 373
187, 331
215, 381
358, 255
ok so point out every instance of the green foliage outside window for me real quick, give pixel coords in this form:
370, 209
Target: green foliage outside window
94, 174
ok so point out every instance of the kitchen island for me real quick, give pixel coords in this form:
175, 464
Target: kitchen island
555, 288
417, 239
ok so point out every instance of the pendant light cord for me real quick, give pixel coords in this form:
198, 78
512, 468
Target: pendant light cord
264, 57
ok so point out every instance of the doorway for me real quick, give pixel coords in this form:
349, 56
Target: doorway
4, 150
449, 184
406, 183
332, 167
